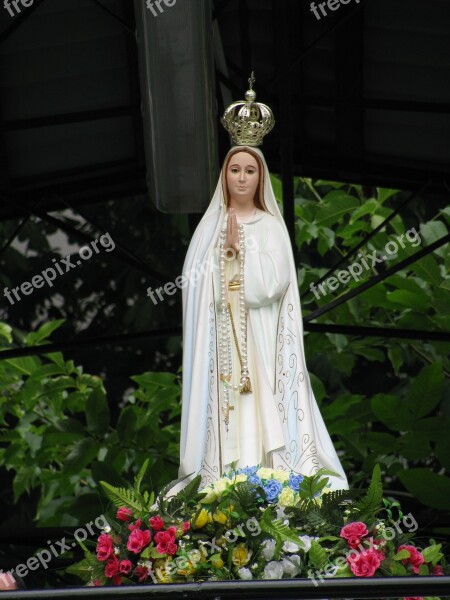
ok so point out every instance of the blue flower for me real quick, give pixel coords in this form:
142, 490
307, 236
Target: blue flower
272, 489
248, 470
295, 481
254, 479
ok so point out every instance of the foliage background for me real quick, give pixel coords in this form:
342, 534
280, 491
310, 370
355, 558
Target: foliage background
64, 427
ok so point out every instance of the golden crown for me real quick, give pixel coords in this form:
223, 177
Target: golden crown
248, 121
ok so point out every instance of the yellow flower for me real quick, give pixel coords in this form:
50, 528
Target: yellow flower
217, 561
189, 570
281, 475
221, 517
222, 541
164, 569
286, 497
241, 477
202, 519
241, 555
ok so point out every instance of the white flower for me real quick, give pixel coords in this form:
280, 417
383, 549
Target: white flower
211, 495
292, 565
273, 570
241, 477
245, 573
281, 475
268, 549
306, 542
265, 473
221, 485
106, 529
290, 547
280, 512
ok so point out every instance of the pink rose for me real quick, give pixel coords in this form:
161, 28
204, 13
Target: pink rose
125, 567
117, 580
353, 532
173, 531
124, 514
171, 548
413, 598
365, 563
186, 526
164, 538
136, 525
138, 539
415, 557
437, 570
112, 567
157, 523
141, 573
104, 547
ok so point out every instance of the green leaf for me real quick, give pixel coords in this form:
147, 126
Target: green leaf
84, 569
127, 423
396, 358
278, 530
97, 411
43, 332
82, 453
373, 499
428, 487
122, 497
140, 476
24, 365
384, 194
426, 391
390, 410
336, 205
402, 555
5, 332
432, 554
317, 555
418, 301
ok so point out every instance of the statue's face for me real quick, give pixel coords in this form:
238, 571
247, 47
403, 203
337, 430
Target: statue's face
242, 177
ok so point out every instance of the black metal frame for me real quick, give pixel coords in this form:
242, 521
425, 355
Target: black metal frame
389, 587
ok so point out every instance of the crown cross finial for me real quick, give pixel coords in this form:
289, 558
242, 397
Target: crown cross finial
248, 121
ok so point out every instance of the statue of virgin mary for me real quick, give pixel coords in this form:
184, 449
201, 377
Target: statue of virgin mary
247, 396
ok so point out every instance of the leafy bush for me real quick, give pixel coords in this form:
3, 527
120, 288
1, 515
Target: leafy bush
58, 437
386, 400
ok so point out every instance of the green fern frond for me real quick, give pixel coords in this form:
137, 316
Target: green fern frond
122, 497
83, 569
374, 497
317, 555
335, 498
140, 476
278, 530
246, 494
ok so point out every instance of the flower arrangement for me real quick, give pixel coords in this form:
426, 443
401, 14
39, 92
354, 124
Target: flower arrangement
256, 523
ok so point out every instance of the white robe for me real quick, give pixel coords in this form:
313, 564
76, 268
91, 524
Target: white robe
279, 422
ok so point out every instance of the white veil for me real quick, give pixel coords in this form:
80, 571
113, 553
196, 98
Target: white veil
307, 443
